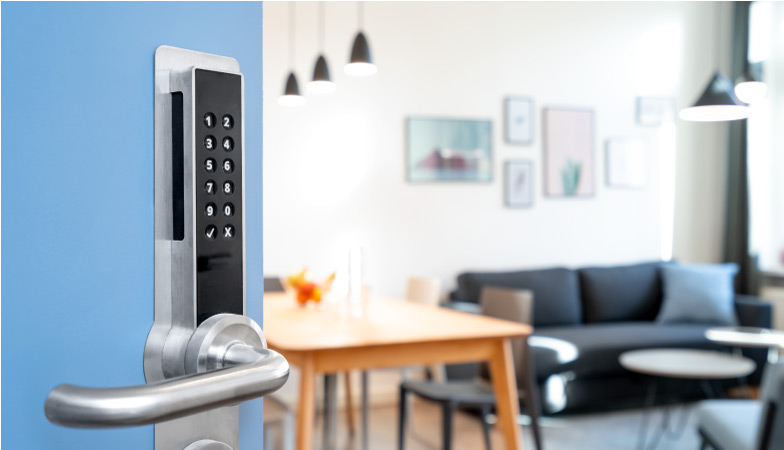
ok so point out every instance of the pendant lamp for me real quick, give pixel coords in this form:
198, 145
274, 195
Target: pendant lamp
321, 83
749, 88
291, 96
718, 101
360, 64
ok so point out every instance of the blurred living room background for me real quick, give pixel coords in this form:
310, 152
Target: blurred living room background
556, 149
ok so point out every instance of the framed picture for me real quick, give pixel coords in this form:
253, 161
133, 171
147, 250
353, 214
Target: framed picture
626, 163
568, 152
448, 150
519, 184
654, 111
519, 120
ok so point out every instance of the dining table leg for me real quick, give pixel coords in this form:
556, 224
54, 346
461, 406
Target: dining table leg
307, 399
505, 387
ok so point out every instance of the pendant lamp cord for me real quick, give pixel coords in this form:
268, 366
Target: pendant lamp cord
292, 34
717, 44
360, 15
321, 27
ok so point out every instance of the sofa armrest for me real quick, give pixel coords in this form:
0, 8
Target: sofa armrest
753, 311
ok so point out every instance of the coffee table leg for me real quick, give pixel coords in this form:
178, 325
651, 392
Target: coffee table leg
505, 386
642, 435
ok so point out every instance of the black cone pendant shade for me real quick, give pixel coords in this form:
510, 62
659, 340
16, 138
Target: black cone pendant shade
321, 83
717, 103
360, 63
291, 96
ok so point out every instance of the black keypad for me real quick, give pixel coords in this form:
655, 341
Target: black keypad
219, 252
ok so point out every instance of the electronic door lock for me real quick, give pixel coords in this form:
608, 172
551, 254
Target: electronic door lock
203, 356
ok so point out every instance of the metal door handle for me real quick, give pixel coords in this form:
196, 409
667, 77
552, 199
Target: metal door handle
83, 407
224, 371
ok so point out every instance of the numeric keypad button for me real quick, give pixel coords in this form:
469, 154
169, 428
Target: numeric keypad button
209, 165
228, 210
209, 187
228, 144
228, 166
228, 122
228, 231
228, 188
211, 232
209, 210
209, 120
209, 142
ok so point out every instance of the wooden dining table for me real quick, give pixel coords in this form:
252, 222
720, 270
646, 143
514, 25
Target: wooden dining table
391, 333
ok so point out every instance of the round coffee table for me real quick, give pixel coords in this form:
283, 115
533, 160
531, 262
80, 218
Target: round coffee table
773, 340
691, 364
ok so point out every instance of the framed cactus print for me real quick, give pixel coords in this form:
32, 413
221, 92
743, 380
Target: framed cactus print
568, 152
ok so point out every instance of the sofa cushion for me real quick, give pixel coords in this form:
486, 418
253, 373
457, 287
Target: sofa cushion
556, 292
621, 293
594, 348
699, 293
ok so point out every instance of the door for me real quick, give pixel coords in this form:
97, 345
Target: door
77, 192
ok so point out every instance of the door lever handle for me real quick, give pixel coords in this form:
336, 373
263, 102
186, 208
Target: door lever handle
228, 372
83, 407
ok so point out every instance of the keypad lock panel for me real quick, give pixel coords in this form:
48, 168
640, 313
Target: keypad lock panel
199, 224
219, 185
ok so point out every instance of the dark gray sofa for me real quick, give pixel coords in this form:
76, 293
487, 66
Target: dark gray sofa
597, 313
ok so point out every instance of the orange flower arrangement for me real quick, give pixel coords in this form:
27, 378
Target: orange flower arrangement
308, 290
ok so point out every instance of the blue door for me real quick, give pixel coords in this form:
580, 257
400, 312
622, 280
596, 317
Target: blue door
77, 197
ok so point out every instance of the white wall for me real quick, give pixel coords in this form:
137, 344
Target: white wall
335, 167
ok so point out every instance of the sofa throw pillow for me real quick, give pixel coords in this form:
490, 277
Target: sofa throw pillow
698, 293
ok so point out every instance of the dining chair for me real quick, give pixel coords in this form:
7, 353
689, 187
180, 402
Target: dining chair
746, 424
425, 291
477, 393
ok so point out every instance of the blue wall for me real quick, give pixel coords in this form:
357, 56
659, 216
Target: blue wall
77, 196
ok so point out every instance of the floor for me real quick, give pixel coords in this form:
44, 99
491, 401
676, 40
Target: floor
613, 430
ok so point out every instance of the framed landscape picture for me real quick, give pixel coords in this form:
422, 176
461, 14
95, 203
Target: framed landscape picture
519, 120
443, 150
568, 152
519, 184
